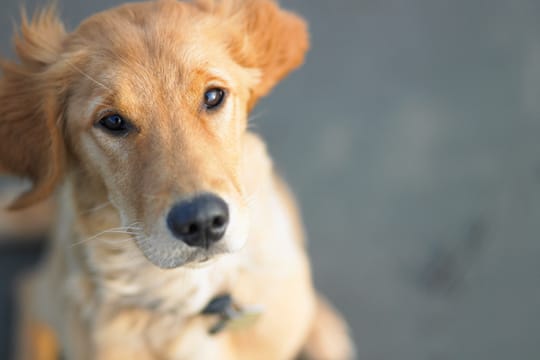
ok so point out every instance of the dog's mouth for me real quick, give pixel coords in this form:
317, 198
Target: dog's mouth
202, 263
203, 257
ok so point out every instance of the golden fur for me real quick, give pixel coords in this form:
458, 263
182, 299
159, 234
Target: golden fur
115, 284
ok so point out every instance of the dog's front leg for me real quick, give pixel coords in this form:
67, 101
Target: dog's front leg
35, 340
329, 336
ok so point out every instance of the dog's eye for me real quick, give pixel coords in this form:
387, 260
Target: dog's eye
115, 124
213, 98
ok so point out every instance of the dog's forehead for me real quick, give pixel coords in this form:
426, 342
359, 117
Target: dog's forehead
146, 65
138, 51
147, 81
156, 26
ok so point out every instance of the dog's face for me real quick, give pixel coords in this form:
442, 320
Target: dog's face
160, 117
149, 101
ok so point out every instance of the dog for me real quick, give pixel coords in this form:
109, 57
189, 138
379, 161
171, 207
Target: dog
175, 238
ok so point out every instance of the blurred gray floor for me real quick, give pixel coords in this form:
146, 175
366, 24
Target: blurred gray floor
411, 137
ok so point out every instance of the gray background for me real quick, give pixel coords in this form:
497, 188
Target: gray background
411, 138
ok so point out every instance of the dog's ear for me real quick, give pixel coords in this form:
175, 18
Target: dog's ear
31, 143
264, 37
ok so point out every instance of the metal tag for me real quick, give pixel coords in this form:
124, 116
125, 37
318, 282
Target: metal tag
244, 318
233, 317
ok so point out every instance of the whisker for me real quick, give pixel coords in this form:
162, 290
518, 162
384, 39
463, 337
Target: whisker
88, 76
128, 230
96, 208
252, 124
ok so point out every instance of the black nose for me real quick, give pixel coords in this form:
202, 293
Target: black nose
200, 221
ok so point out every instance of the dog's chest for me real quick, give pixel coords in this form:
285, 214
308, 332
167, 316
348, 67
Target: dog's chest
124, 299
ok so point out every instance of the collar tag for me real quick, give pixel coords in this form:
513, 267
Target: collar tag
231, 316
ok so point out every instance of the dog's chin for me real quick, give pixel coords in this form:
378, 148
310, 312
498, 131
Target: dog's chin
190, 259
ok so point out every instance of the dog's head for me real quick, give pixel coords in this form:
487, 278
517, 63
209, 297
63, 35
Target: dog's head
148, 102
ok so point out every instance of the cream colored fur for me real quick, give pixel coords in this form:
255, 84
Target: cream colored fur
115, 284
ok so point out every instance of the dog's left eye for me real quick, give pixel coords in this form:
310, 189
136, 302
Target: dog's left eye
213, 98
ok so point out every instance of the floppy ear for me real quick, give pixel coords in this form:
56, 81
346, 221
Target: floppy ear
265, 37
31, 142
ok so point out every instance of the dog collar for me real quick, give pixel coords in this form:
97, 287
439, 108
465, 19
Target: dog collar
231, 315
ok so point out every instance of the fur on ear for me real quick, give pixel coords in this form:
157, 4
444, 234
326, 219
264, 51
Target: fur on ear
264, 37
31, 143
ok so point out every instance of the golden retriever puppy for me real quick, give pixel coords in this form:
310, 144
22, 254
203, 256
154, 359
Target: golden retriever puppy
175, 239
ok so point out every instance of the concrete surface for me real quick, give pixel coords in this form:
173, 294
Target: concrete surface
411, 139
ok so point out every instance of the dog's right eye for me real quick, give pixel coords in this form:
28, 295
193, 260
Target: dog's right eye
115, 124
